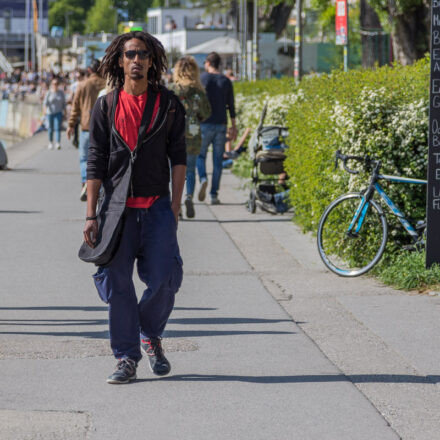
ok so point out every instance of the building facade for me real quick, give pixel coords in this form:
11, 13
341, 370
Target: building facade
15, 17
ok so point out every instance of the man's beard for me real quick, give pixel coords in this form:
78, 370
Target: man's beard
136, 75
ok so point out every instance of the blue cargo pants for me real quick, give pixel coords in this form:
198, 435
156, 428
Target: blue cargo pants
149, 236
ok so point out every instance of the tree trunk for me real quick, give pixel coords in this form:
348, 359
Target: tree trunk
371, 36
60, 58
410, 33
279, 16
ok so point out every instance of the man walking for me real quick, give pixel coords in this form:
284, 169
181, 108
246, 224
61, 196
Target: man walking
221, 97
138, 128
83, 102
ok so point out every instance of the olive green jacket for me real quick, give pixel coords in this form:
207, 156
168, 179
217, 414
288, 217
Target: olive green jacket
197, 109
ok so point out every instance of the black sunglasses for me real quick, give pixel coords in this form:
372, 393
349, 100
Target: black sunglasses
142, 54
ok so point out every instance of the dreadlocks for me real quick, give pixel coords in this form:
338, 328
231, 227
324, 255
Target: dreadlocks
111, 70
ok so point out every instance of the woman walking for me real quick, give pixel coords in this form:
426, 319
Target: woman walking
54, 105
188, 88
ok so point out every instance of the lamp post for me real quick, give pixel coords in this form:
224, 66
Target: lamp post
255, 43
170, 26
26, 36
297, 63
341, 24
67, 14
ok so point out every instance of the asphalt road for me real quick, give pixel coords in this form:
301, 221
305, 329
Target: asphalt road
264, 343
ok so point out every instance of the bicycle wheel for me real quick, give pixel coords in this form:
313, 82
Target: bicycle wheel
352, 254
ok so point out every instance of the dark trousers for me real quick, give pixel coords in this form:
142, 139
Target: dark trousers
149, 236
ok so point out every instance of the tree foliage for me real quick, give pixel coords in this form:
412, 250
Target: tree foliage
73, 9
406, 20
101, 17
409, 23
135, 9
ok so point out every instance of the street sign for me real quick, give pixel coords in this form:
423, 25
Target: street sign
341, 22
433, 189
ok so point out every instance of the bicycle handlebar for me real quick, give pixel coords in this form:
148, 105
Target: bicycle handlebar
368, 162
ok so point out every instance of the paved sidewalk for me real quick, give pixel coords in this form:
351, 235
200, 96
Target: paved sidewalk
263, 342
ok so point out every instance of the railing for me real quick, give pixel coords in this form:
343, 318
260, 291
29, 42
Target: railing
5, 65
20, 118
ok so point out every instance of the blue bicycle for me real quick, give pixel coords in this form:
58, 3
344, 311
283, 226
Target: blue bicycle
353, 231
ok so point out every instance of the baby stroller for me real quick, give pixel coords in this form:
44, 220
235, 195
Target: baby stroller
267, 151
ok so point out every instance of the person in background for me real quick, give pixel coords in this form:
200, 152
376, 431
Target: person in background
54, 105
187, 86
83, 102
221, 97
78, 77
229, 73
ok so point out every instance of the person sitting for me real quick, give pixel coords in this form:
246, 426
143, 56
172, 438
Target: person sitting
230, 155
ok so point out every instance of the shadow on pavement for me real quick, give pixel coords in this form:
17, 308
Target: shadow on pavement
263, 220
356, 378
52, 322
19, 212
201, 333
168, 334
195, 308
82, 308
93, 335
226, 321
90, 309
22, 170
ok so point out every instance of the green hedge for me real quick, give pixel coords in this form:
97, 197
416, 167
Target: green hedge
381, 112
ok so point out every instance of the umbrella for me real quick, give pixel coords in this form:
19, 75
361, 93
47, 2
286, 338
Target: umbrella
221, 45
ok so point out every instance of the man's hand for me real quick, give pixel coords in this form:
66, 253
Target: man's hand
176, 210
178, 173
90, 232
70, 131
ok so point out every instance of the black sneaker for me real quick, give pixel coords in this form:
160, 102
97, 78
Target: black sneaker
158, 362
83, 194
125, 371
202, 190
189, 205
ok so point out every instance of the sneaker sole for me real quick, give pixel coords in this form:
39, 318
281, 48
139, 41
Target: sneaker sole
190, 213
151, 368
202, 191
121, 382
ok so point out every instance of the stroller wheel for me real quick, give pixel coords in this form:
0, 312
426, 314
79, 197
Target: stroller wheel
251, 204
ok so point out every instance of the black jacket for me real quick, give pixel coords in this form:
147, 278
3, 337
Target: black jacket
109, 156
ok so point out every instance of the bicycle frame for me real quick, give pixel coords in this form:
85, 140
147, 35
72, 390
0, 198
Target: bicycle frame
359, 216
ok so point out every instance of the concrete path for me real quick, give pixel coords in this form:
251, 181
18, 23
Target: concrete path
264, 343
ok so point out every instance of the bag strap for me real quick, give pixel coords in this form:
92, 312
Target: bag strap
171, 115
111, 100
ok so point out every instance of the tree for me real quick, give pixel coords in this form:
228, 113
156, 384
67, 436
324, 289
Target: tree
372, 30
279, 14
59, 10
101, 17
136, 9
409, 22
406, 20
